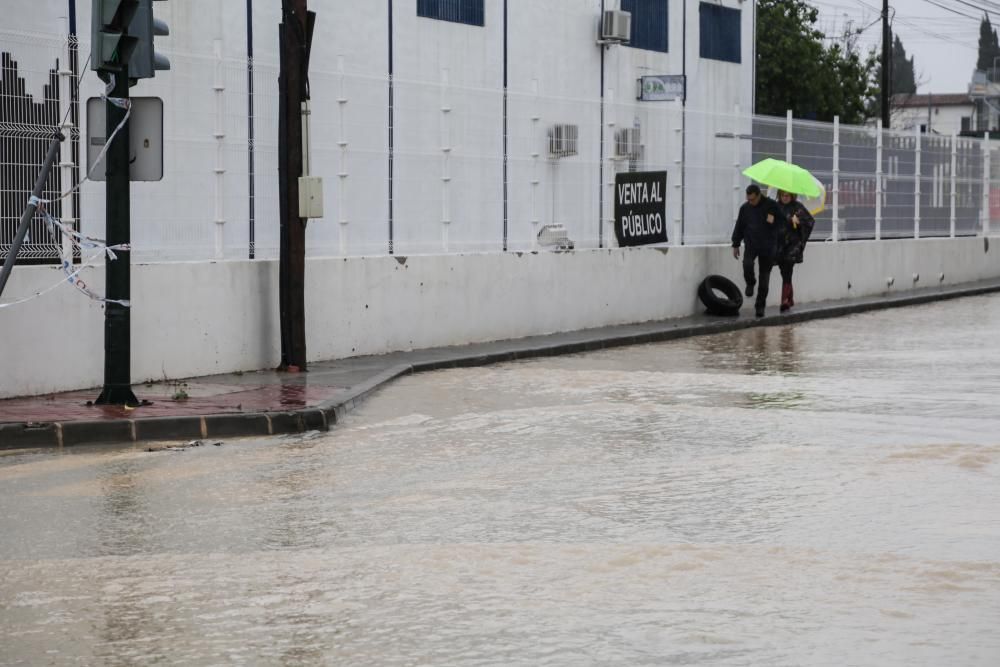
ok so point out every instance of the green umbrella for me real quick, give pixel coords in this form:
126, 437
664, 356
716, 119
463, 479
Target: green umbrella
784, 176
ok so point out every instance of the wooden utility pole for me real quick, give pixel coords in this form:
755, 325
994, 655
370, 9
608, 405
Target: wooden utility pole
295, 37
886, 63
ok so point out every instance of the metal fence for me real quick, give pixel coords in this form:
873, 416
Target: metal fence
453, 168
887, 184
37, 99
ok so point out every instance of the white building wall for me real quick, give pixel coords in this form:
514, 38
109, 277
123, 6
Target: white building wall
447, 178
944, 120
349, 83
441, 198
554, 77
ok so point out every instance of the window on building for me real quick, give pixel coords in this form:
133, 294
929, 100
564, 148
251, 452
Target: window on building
649, 24
720, 32
966, 123
469, 12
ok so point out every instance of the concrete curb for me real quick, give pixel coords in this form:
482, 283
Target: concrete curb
323, 416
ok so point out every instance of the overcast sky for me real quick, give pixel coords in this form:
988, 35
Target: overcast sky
943, 43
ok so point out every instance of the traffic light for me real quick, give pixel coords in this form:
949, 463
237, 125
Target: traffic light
111, 46
145, 61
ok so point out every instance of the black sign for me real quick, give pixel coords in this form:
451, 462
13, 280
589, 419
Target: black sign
640, 207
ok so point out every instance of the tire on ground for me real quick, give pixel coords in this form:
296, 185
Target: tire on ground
715, 303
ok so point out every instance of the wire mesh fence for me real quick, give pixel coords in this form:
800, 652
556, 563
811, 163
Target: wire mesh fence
413, 166
36, 94
884, 184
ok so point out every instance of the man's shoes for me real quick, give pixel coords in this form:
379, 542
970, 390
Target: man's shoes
749, 289
759, 311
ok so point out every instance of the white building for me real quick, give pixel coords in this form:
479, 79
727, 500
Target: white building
945, 114
434, 130
431, 120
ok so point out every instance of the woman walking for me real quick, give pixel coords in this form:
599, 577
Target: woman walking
792, 242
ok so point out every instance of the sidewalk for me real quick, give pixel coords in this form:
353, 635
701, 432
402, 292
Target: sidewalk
269, 402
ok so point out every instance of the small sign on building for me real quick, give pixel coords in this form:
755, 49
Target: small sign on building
145, 134
661, 88
641, 207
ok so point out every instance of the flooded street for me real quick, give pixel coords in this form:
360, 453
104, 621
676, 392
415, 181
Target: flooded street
826, 493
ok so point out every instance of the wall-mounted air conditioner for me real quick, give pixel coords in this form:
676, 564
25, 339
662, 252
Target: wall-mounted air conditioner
563, 140
628, 143
616, 27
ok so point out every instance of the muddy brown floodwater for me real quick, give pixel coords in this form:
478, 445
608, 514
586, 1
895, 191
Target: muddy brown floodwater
826, 493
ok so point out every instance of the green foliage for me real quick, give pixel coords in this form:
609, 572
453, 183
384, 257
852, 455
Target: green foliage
904, 79
989, 47
797, 71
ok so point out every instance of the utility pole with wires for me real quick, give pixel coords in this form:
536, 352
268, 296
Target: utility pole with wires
886, 63
295, 41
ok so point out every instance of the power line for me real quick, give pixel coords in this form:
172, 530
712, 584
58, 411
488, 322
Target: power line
952, 10
994, 9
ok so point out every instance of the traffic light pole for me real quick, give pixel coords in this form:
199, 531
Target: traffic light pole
117, 322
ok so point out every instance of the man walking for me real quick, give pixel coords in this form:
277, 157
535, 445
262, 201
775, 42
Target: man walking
758, 227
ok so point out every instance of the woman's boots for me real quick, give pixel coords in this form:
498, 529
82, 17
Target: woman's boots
787, 300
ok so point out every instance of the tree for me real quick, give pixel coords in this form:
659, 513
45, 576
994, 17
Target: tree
796, 71
903, 79
989, 47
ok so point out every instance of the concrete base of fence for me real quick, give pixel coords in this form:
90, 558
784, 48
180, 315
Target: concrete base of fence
205, 318
60, 421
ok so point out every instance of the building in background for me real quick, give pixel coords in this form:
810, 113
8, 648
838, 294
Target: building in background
946, 114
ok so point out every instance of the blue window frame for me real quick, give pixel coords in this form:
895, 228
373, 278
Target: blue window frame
649, 23
720, 32
469, 12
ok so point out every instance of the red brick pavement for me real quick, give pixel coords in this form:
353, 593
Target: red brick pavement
204, 399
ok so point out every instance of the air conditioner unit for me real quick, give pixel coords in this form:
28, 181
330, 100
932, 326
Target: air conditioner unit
628, 143
616, 27
563, 140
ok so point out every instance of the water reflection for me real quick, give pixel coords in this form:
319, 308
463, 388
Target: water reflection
124, 526
791, 495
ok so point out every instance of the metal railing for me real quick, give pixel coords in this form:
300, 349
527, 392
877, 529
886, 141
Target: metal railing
37, 99
886, 184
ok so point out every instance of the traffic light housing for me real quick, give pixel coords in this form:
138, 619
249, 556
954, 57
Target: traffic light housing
111, 45
145, 61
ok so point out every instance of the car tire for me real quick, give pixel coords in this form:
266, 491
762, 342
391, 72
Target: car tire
720, 295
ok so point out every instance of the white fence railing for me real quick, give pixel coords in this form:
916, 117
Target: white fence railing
460, 168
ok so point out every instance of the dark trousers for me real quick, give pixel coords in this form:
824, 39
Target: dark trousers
764, 264
786, 272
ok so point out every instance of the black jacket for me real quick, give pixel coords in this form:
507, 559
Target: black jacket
752, 227
794, 238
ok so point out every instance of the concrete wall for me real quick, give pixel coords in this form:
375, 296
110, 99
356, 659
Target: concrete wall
203, 318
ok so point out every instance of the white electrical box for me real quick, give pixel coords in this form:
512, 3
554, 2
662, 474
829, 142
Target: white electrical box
310, 197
